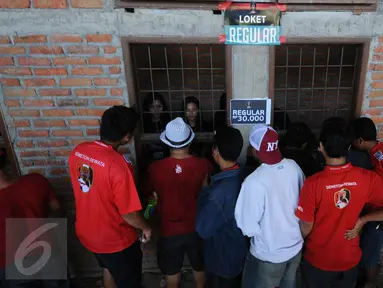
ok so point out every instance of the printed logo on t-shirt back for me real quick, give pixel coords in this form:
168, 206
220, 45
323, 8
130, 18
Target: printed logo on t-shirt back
342, 198
379, 155
85, 177
178, 169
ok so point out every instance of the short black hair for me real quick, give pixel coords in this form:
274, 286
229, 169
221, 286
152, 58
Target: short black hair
151, 97
117, 122
191, 99
335, 138
298, 134
363, 128
229, 142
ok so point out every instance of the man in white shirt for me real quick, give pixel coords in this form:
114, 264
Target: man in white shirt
265, 211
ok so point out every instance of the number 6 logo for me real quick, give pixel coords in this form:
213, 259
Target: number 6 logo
27, 246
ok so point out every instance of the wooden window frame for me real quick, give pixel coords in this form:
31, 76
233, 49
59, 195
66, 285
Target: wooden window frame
291, 5
141, 138
361, 70
5, 143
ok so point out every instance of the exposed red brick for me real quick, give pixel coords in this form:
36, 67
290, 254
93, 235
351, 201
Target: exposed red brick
50, 71
30, 39
377, 120
49, 123
86, 4
83, 49
58, 171
87, 71
90, 92
110, 49
55, 92
372, 111
377, 85
69, 61
84, 122
16, 92
72, 102
34, 133
24, 144
27, 61
76, 82
39, 82
66, 38
16, 71
46, 50
58, 112
376, 67
5, 40
52, 143
12, 50
61, 152
377, 76
377, 57
90, 112
14, 4
42, 162
99, 38
106, 81
6, 61
105, 61
93, 132
115, 70
67, 133
24, 113
12, 103
379, 49
21, 123
10, 82
376, 103
108, 102
381, 39
39, 153
374, 94
75, 142
50, 4
116, 92
38, 103
36, 170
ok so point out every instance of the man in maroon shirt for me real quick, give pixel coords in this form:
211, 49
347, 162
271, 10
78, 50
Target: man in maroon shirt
178, 180
28, 196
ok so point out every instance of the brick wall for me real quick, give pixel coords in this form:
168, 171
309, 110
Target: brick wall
373, 103
50, 4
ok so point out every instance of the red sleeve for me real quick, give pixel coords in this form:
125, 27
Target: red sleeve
48, 189
376, 190
124, 190
307, 203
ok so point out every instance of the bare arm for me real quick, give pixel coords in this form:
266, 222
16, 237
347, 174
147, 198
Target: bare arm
375, 216
136, 220
306, 228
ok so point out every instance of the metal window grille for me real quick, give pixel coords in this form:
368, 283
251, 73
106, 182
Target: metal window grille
314, 82
176, 72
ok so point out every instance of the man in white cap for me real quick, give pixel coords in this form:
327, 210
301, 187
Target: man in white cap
178, 180
265, 211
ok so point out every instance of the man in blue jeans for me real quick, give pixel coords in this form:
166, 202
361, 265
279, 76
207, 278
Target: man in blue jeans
225, 245
265, 212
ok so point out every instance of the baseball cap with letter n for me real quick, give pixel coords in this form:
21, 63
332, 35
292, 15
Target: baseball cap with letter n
264, 139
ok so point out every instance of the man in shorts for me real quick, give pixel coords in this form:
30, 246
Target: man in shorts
330, 204
107, 202
178, 180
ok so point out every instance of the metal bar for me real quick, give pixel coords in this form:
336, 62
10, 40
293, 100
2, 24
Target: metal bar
183, 80
309, 66
170, 69
187, 90
299, 81
325, 83
138, 86
199, 92
339, 79
212, 82
312, 87
168, 77
287, 78
307, 88
181, 111
151, 78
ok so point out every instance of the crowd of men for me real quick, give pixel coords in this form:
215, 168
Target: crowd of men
304, 205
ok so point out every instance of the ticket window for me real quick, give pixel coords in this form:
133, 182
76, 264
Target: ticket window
178, 80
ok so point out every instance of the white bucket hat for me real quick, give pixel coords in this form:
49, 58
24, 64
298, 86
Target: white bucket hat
177, 134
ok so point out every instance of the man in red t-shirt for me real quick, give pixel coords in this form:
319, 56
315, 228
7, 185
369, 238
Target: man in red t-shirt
329, 205
365, 139
178, 180
27, 197
107, 202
